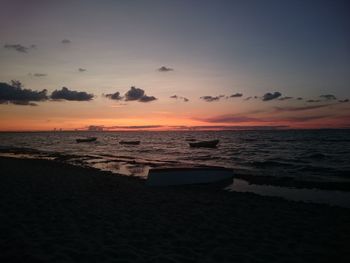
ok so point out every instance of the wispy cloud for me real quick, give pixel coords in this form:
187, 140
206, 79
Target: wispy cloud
17, 47
313, 101
179, 97
230, 127
285, 98
303, 118
211, 98
304, 108
66, 41
239, 118
39, 75
82, 69
229, 118
72, 95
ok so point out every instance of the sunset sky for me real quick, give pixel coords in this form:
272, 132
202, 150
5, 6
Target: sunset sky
258, 64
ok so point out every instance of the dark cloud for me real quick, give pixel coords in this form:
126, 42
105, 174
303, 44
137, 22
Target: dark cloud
14, 93
138, 94
66, 41
287, 109
17, 47
210, 98
146, 98
299, 98
134, 94
313, 101
39, 75
248, 98
165, 69
285, 98
179, 97
328, 97
271, 96
72, 95
114, 96
236, 95
345, 100
82, 69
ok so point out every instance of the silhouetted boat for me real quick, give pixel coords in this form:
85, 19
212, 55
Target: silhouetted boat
90, 139
130, 142
208, 144
179, 176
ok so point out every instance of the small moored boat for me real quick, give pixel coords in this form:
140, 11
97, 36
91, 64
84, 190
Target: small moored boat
208, 144
181, 176
130, 142
90, 139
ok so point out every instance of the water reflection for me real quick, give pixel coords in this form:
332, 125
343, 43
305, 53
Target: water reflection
123, 168
337, 198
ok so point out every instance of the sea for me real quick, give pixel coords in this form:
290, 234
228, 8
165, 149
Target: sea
320, 156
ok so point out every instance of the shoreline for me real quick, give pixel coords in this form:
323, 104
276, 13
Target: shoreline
56, 212
79, 160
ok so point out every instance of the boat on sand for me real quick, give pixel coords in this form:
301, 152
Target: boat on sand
182, 176
130, 142
208, 144
90, 139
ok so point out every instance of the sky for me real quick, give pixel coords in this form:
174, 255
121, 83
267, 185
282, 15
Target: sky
174, 65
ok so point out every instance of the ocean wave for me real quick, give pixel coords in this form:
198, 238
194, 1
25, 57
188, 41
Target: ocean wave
269, 163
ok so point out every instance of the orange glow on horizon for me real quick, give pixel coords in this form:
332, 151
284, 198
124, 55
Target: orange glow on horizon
154, 124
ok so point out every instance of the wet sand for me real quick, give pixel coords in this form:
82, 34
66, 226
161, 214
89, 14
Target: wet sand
55, 212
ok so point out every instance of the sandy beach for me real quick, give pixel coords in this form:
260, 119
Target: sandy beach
55, 212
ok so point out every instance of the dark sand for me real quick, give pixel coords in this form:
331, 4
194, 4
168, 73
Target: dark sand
53, 212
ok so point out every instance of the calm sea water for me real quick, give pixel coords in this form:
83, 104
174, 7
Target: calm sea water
305, 154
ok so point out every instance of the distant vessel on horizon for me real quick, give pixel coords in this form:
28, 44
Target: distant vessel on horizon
90, 139
130, 142
208, 144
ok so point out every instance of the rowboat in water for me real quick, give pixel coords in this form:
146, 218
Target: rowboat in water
182, 176
207, 144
